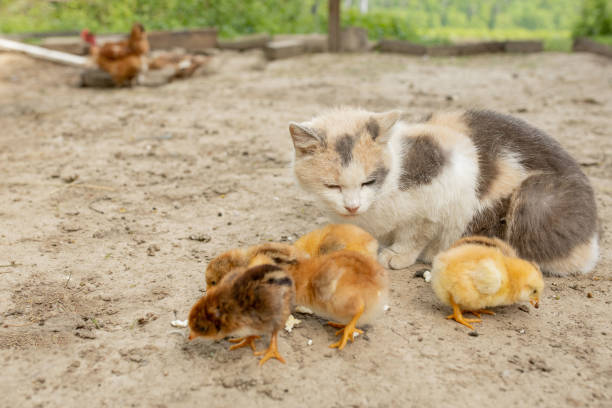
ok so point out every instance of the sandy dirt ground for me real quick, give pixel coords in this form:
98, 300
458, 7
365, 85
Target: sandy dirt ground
113, 201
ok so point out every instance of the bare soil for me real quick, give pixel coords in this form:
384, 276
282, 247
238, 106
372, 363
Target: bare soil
113, 201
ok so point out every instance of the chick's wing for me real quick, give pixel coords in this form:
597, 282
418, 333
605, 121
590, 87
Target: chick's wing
486, 276
325, 283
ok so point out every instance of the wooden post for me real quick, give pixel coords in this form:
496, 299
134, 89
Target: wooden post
333, 30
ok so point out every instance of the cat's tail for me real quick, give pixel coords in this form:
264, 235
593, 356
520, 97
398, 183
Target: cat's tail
552, 220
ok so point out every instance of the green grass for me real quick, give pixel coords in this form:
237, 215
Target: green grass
559, 40
558, 44
603, 39
427, 22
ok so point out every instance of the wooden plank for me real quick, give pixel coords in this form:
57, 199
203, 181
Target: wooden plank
247, 42
583, 44
524, 46
444, 51
334, 33
69, 33
71, 45
284, 49
486, 47
312, 42
401, 47
189, 40
43, 53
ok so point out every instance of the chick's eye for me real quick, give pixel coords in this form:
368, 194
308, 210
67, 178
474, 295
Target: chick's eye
535, 291
368, 183
333, 186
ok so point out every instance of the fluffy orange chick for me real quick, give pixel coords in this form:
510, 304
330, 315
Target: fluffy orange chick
477, 273
345, 286
334, 237
240, 258
234, 259
245, 304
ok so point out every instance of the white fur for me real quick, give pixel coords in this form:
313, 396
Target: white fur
581, 259
435, 213
512, 174
423, 220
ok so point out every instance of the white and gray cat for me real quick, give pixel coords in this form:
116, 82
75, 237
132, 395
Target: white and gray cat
418, 187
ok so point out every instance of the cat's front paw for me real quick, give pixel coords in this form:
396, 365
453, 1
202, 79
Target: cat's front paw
393, 260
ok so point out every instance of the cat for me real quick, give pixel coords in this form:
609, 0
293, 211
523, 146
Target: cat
418, 187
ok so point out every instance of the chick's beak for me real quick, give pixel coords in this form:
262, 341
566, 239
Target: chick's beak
535, 303
193, 336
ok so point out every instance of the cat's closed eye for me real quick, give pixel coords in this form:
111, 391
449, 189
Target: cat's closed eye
368, 183
333, 186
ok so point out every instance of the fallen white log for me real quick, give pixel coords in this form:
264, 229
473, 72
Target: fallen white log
43, 53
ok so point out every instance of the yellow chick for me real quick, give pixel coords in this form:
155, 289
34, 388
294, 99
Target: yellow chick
335, 237
503, 246
479, 272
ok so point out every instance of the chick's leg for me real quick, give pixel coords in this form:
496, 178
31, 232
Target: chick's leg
341, 327
458, 316
477, 313
348, 331
244, 342
271, 352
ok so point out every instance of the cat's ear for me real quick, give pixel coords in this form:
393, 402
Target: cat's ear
380, 124
305, 140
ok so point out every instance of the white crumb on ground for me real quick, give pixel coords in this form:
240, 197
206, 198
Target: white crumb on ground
310, 342
179, 323
184, 64
291, 323
427, 276
386, 307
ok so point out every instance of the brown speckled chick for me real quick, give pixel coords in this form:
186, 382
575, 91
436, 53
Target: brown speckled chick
245, 304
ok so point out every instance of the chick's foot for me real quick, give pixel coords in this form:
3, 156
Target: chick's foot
458, 316
271, 352
348, 331
244, 342
477, 313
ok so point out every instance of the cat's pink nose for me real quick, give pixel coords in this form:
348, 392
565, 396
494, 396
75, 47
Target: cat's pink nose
352, 210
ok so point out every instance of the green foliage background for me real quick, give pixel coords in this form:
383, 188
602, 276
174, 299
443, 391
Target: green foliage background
595, 19
419, 20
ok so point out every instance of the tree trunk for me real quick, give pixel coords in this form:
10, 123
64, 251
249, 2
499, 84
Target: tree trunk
334, 26
363, 6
